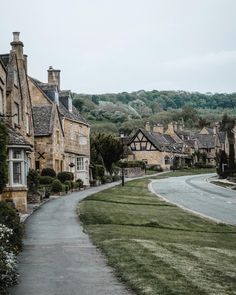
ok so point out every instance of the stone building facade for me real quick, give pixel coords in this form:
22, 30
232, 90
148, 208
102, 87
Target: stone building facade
45, 129
17, 113
66, 133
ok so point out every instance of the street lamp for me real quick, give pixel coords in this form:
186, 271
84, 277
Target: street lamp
122, 167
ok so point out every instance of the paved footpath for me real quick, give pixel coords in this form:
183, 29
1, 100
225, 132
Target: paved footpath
58, 257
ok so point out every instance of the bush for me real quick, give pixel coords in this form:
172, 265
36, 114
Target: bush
48, 172
132, 164
33, 181
106, 179
56, 186
80, 183
10, 218
64, 176
100, 170
93, 182
116, 178
46, 179
157, 168
8, 264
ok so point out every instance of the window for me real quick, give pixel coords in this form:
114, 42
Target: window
18, 167
16, 113
80, 164
1, 101
167, 160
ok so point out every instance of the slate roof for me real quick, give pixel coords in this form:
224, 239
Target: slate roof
48, 90
205, 141
42, 116
74, 116
162, 142
15, 138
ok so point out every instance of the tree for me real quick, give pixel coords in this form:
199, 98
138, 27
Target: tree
3, 157
107, 147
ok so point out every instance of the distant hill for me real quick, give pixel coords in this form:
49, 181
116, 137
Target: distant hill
128, 111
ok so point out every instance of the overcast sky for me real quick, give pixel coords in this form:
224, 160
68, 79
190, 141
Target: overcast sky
106, 46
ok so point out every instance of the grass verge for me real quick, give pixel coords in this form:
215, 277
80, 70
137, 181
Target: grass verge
157, 248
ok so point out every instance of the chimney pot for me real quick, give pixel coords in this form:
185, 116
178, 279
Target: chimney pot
16, 36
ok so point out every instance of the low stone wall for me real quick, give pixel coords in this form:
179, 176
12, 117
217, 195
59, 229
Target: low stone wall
134, 172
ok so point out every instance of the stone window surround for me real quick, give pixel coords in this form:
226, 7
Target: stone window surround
24, 163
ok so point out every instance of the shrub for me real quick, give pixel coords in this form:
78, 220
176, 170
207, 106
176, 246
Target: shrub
93, 182
106, 179
100, 170
32, 181
132, 164
8, 264
10, 218
63, 176
157, 168
46, 179
56, 186
69, 183
80, 182
48, 172
116, 178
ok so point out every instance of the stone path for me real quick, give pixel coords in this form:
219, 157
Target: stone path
58, 257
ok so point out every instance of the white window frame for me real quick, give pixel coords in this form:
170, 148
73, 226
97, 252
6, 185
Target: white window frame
24, 167
80, 163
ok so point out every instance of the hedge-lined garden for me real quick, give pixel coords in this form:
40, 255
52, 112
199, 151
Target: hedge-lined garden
48, 182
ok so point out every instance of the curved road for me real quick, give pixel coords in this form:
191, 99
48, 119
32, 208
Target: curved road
58, 258
196, 194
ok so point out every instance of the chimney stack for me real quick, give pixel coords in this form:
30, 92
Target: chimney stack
147, 127
17, 45
54, 77
158, 128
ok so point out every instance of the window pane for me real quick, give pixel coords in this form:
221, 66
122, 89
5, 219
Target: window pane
17, 154
17, 173
80, 163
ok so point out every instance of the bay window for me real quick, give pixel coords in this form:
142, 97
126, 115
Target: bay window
18, 167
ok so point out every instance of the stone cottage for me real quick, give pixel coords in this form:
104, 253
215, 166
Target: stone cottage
16, 110
63, 143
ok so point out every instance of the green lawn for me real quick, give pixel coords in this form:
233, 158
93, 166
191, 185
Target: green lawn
157, 248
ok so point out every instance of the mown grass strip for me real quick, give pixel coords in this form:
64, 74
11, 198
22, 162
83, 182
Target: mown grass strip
158, 249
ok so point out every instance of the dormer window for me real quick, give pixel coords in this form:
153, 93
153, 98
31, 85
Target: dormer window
70, 104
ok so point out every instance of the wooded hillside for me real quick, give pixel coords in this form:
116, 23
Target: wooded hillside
130, 110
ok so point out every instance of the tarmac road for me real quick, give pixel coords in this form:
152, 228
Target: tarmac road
196, 194
58, 258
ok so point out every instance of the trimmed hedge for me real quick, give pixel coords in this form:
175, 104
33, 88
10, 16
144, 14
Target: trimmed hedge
46, 179
48, 172
57, 186
64, 176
